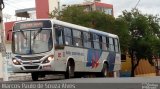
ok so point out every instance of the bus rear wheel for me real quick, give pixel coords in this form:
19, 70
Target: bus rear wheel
69, 70
105, 70
34, 76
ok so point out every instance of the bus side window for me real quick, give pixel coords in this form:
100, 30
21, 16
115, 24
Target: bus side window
59, 35
111, 44
77, 40
116, 45
86, 40
104, 43
68, 36
96, 41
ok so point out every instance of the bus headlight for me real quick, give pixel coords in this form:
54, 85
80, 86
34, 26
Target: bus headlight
16, 62
49, 59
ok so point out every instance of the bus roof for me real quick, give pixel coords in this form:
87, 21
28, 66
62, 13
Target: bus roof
77, 27
83, 28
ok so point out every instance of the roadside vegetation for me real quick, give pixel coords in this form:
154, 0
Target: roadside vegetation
139, 33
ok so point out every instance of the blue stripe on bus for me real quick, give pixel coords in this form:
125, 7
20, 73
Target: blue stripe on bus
111, 60
93, 57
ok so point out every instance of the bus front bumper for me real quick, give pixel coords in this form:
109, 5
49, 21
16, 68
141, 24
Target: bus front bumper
32, 68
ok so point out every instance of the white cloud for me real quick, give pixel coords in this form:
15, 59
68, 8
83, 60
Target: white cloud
146, 6
12, 5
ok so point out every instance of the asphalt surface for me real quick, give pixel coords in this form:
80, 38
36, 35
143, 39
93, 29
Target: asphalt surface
54, 79
85, 83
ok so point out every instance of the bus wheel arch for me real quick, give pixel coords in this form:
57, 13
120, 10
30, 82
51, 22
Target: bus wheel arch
70, 67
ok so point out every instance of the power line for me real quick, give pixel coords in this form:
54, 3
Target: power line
11, 5
137, 4
16, 4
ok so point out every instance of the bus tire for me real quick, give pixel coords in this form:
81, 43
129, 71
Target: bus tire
105, 70
69, 70
34, 76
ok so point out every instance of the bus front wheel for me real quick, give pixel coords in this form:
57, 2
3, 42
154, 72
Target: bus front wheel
69, 70
34, 76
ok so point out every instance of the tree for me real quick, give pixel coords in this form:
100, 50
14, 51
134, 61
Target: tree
143, 32
121, 29
97, 20
138, 33
79, 15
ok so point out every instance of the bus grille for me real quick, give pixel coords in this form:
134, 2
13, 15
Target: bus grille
31, 67
31, 58
28, 62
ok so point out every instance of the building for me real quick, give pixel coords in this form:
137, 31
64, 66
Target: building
98, 6
41, 10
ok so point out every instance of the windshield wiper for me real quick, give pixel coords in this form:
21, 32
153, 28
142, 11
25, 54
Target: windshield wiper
23, 34
34, 37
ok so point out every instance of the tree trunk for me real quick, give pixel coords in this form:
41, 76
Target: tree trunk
134, 66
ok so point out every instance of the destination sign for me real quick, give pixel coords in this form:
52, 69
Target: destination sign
32, 24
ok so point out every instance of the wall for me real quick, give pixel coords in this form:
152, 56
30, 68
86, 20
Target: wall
53, 4
42, 9
143, 69
8, 28
126, 67
105, 6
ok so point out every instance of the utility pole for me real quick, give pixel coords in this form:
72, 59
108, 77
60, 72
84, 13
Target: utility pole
2, 46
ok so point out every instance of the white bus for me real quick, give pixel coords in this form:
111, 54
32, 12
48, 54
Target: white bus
51, 46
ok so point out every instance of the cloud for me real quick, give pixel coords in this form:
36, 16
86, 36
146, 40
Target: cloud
145, 6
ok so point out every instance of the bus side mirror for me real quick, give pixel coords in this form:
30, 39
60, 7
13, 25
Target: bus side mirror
123, 57
8, 34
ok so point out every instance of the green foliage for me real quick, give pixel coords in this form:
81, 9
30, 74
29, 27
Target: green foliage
96, 20
139, 33
144, 33
144, 30
136, 31
121, 29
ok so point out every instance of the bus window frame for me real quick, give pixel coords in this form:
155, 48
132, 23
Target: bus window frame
62, 34
78, 38
65, 35
90, 40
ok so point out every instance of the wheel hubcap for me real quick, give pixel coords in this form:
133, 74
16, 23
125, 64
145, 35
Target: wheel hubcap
105, 72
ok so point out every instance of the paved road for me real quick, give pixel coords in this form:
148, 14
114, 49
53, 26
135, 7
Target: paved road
90, 83
60, 79
113, 80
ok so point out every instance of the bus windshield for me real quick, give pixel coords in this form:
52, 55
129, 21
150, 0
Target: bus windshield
32, 41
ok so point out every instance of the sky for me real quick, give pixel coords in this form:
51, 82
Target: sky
145, 6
